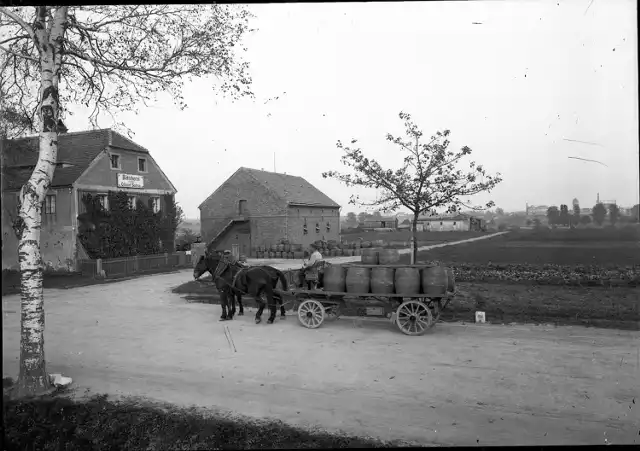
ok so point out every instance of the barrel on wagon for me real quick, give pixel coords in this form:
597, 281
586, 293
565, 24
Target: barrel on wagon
358, 279
407, 280
382, 280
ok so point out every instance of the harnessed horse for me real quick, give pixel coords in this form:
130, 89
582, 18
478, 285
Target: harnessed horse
234, 281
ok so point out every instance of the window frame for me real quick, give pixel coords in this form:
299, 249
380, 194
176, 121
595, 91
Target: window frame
44, 206
146, 166
111, 155
242, 207
105, 204
132, 203
153, 204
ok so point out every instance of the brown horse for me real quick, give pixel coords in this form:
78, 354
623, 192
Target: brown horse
234, 282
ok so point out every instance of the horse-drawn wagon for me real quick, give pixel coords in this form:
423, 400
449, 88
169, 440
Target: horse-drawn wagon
411, 296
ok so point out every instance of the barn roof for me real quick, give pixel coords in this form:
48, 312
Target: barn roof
295, 190
76, 151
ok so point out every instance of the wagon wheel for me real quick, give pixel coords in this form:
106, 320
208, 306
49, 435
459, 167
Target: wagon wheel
311, 314
414, 318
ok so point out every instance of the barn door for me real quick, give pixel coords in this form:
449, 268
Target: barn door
235, 250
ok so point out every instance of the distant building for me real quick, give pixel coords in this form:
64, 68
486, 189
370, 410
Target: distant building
536, 210
460, 222
390, 222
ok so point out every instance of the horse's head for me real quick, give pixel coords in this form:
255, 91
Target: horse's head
206, 263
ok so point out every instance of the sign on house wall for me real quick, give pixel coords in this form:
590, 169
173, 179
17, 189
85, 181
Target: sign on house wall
130, 181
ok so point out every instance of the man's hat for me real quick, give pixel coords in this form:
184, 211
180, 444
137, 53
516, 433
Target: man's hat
227, 252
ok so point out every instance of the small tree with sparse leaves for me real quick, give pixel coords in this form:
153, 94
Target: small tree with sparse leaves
426, 180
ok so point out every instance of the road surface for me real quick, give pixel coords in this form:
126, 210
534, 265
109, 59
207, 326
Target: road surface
458, 385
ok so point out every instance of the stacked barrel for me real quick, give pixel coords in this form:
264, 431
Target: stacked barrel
283, 249
429, 281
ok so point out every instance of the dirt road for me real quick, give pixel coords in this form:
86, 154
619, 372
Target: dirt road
459, 385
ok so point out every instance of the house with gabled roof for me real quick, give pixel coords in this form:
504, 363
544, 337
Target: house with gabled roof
89, 162
259, 208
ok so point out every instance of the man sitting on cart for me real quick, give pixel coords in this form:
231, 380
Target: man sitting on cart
309, 272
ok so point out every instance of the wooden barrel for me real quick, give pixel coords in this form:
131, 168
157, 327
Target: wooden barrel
382, 280
335, 278
298, 255
270, 254
407, 280
279, 247
358, 279
260, 254
339, 252
287, 247
370, 256
365, 244
347, 252
273, 247
388, 256
357, 252
434, 281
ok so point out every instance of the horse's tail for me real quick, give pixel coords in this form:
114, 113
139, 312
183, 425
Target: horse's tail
283, 279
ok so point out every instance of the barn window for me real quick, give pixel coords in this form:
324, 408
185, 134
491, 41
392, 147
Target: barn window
454, 223
317, 227
305, 231
131, 200
328, 227
440, 222
242, 207
142, 165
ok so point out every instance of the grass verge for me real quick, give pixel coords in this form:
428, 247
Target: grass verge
57, 422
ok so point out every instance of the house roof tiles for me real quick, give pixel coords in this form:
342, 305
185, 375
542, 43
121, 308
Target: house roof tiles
76, 151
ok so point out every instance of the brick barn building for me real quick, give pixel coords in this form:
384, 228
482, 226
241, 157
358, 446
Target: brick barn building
95, 162
259, 208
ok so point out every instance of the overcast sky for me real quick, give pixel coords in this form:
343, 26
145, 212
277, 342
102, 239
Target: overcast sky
514, 88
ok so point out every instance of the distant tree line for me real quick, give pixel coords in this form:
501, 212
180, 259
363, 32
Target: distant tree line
599, 212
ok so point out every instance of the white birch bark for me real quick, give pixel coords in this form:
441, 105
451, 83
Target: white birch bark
33, 378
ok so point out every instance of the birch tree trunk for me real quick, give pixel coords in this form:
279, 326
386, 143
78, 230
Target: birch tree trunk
33, 378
